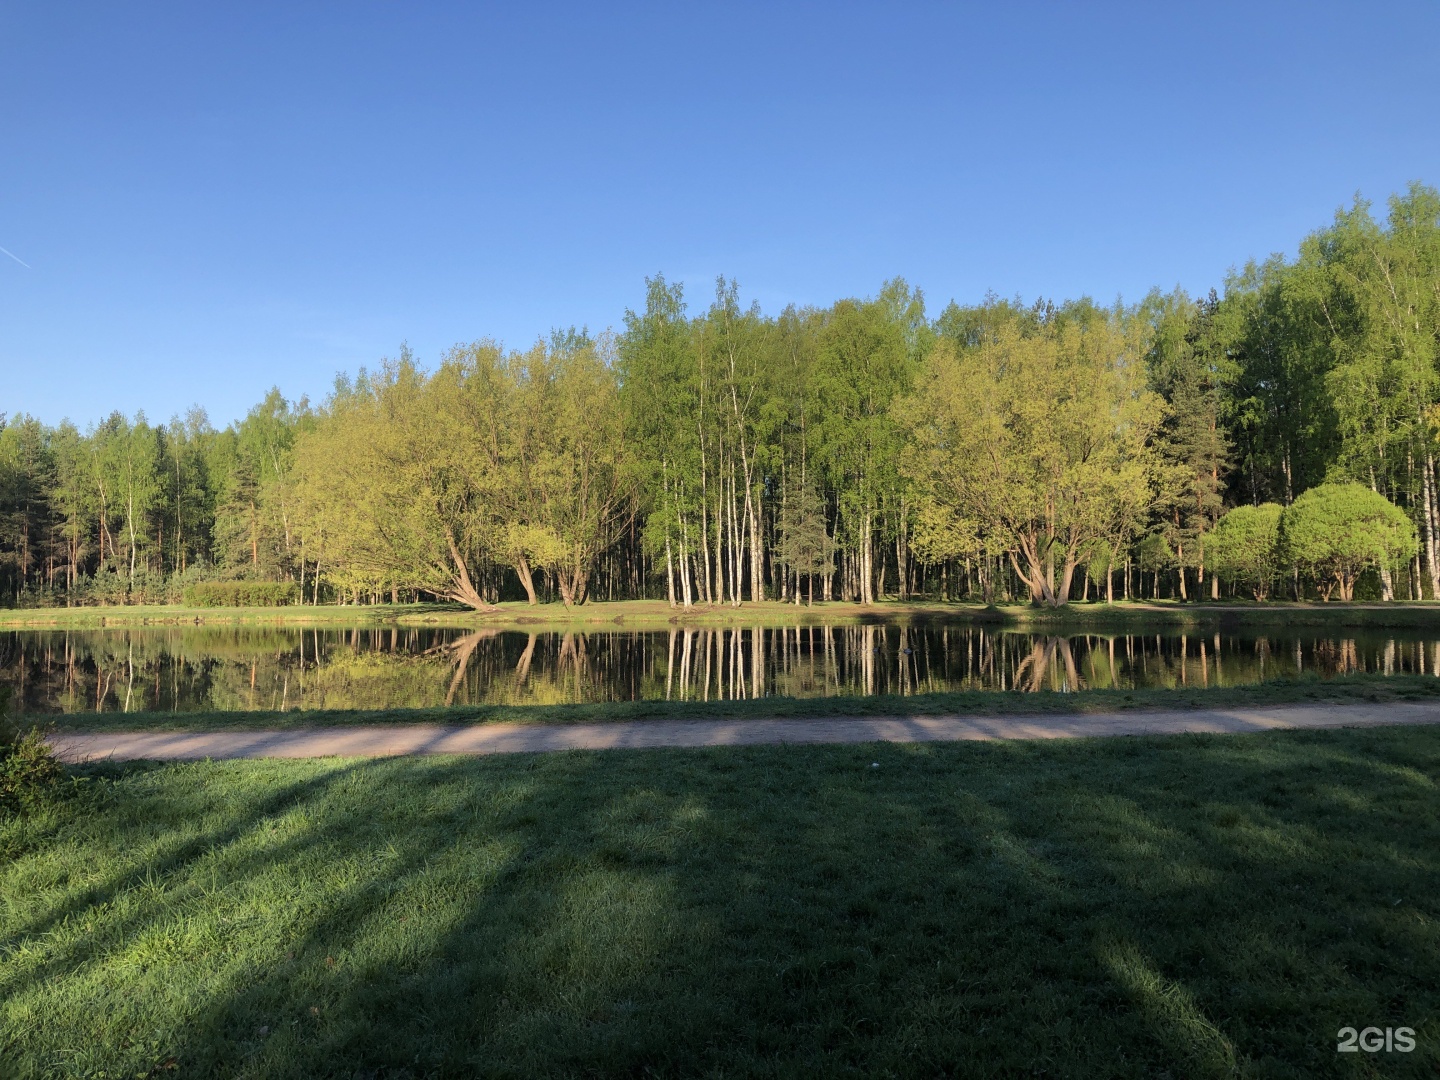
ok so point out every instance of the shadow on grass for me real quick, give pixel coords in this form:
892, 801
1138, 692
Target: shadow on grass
1192, 906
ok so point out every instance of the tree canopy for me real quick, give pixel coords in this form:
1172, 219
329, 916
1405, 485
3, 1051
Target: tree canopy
868, 449
1039, 439
1334, 532
1246, 545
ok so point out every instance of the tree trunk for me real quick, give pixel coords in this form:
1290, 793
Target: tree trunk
522, 571
1062, 594
707, 595
1037, 575
573, 585
669, 572
900, 568
718, 595
757, 560
737, 543
462, 589
1428, 519
867, 573
687, 590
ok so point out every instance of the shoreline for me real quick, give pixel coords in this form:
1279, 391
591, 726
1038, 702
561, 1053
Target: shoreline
621, 615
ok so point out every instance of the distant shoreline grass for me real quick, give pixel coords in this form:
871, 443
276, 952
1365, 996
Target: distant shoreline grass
1188, 906
1303, 690
658, 615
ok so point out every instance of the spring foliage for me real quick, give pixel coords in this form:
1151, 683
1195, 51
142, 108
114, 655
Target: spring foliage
864, 450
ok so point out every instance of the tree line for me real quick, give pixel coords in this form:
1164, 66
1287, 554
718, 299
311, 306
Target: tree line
1278, 437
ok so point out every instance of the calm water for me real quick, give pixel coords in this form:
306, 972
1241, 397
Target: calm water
262, 668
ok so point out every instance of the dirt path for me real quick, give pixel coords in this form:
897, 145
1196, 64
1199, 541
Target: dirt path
389, 740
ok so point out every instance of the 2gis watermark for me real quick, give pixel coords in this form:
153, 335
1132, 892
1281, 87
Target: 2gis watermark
1374, 1040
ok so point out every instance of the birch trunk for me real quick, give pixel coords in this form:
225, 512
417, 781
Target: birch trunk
707, 596
867, 573
669, 572
1428, 495
757, 561
686, 589
737, 542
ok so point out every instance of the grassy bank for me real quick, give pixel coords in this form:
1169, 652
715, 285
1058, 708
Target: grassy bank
657, 614
1192, 906
94, 618
1307, 690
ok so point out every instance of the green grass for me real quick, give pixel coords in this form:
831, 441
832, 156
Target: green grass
657, 614
1307, 689
1184, 907
89, 618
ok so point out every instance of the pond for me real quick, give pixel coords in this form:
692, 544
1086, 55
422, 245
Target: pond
248, 668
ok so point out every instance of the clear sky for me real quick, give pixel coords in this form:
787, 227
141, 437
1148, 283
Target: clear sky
216, 198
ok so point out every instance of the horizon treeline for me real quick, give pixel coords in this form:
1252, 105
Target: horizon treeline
1046, 451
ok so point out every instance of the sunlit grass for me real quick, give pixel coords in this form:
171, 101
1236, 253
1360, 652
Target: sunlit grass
1190, 907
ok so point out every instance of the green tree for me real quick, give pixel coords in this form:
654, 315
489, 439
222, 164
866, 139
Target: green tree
1042, 438
574, 482
1272, 326
658, 375
1335, 532
251, 469
74, 500
804, 545
865, 360
189, 497
379, 492
27, 471
1245, 546
1186, 368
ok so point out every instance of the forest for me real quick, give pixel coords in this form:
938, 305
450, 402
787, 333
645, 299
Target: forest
1275, 438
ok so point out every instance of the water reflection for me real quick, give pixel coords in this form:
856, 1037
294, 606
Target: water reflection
248, 668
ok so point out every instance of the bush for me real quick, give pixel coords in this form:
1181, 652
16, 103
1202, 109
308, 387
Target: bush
1335, 532
105, 587
242, 594
1245, 546
29, 772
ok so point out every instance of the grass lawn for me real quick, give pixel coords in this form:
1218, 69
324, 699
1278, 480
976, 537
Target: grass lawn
657, 614
1305, 690
1182, 907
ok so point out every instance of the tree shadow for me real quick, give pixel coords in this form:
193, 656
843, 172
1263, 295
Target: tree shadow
1193, 906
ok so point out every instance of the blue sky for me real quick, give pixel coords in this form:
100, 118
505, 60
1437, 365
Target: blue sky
213, 199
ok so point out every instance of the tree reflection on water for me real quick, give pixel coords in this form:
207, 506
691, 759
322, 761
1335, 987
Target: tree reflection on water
247, 668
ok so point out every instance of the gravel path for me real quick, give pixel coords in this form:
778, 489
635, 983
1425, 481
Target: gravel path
388, 740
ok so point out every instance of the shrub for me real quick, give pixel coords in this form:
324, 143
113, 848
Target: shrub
242, 594
29, 772
105, 587
1245, 546
1335, 532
